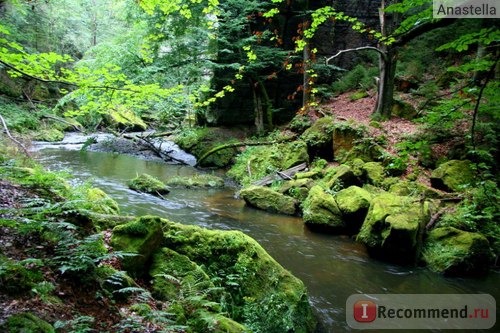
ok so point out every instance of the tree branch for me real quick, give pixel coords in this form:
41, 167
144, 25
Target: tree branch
357, 49
407, 36
12, 138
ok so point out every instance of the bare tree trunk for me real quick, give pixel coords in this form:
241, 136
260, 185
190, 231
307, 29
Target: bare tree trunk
306, 91
259, 112
387, 72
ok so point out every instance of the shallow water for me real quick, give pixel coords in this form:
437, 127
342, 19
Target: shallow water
332, 267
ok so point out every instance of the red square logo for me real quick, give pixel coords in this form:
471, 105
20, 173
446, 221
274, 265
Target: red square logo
365, 311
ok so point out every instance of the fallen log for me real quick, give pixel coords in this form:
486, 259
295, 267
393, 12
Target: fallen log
286, 175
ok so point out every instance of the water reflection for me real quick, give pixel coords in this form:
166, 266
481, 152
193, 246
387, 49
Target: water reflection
332, 267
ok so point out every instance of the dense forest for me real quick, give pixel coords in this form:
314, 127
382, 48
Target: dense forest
367, 119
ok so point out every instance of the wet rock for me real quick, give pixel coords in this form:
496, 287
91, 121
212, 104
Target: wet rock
143, 237
266, 199
455, 252
148, 184
393, 227
26, 322
453, 176
196, 181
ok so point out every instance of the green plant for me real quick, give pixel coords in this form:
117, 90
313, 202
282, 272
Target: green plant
79, 324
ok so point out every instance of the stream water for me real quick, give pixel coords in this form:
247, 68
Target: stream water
332, 267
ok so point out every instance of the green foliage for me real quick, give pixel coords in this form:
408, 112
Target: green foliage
19, 277
358, 78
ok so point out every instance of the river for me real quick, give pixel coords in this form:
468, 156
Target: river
332, 267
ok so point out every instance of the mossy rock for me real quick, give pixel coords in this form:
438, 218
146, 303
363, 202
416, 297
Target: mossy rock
345, 135
269, 200
297, 188
196, 181
408, 188
143, 237
26, 322
15, 278
374, 173
453, 176
319, 138
257, 162
403, 110
123, 118
100, 202
172, 271
340, 177
357, 165
455, 252
148, 184
393, 228
201, 140
313, 174
353, 202
320, 211
263, 291
115, 281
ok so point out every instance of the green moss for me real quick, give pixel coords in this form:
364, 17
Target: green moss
319, 138
456, 252
339, 177
320, 209
26, 322
266, 297
198, 180
49, 135
257, 162
393, 227
353, 202
358, 95
454, 176
143, 237
374, 172
408, 188
297, 188
126, 119
266, 199
148, 184
403, 110
17, 279
100, 202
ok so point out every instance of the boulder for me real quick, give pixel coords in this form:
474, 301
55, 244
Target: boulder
340, 177
123, 118
455, 252
393, 227
453, 176
143, 237
345, 135
321, 211
297, 188
266, 199
319, 138
404, 188
374, 173
148, 184
262, 289
196, 181
101, 202
353, 203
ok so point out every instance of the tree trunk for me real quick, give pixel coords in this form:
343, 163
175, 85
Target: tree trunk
387, 71
258, 110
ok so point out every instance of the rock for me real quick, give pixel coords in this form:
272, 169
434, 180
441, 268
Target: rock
453, 176
297, 188
340, 177
374, 172
26, 322
262, 290
266, 199
393, 227
403, 110
142, 236
313, 174
49, 135
357, 167
319, 138
196, 181
353, 203
455, 252
171, 271
148, 184
344, 136
101, 202
407, 188
321, 211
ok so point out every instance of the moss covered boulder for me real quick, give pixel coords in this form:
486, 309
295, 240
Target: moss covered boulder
148, 184
453, 176
319, 138
393, 228
26, 322
374, 173
405, 187
340, 177
353, 202
455, 252
297, 188
49, 135
100, 202
269, 200
172, 271
265, 296
320, 211
196, 181
143, 237
345, 135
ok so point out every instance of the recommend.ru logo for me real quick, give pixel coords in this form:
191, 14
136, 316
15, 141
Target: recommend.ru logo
421, 311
